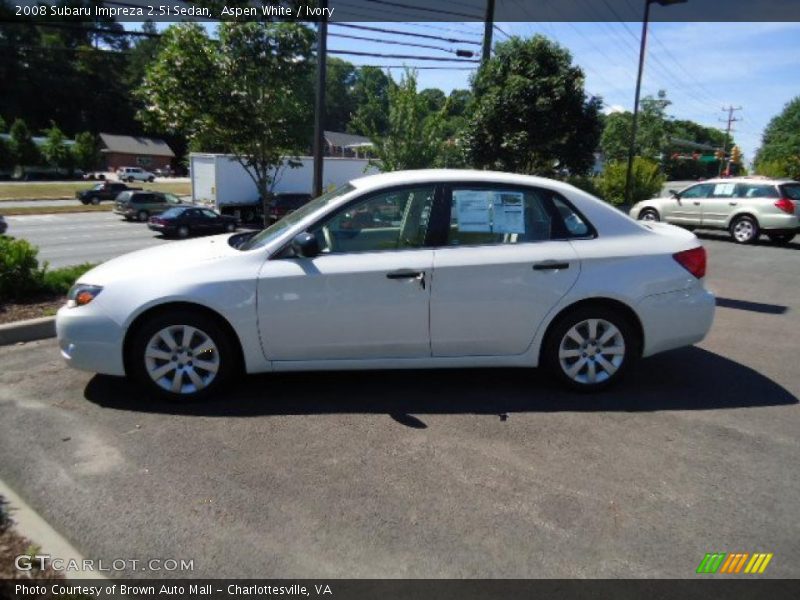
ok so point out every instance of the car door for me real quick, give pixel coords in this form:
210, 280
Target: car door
366, 295
210, 221
686, 207
505, 262
719, 204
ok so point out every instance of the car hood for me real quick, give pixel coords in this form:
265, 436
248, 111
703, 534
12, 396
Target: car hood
161, 260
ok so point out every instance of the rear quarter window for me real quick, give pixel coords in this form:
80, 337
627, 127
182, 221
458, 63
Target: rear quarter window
791, 190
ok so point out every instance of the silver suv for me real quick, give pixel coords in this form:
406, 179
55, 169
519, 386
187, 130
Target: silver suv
130, 174
746, 207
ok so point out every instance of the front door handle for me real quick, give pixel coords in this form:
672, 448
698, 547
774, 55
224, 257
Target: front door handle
408, 274
697, 204
550, 265
733, 203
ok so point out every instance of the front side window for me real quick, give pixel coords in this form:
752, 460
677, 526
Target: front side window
393, 220
698, 191
499, 215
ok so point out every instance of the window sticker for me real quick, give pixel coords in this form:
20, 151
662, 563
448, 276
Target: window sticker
472, 210
724, 189
508, 212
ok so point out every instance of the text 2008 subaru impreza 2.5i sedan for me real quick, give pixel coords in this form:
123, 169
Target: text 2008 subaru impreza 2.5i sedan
414, 269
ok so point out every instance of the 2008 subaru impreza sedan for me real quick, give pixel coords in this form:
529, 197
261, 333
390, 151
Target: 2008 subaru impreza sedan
414, 269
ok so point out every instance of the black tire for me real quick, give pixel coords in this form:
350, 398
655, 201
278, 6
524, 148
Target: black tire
182, 232
95, 200
780, 239
744, 230
142, 216
151, 179
130, 179
137, 369
649, 214
579, 318
230, 227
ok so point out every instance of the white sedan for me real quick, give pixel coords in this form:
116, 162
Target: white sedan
414, 269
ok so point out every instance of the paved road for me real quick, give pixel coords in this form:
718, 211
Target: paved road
70, 239
436, 474
38, 203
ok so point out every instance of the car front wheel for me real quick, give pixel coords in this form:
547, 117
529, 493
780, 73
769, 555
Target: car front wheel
181, 355
744, 230
183, 231
590, 348
142, 215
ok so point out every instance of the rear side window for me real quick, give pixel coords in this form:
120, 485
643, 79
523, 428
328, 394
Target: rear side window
499, 215
791, 191
750, 190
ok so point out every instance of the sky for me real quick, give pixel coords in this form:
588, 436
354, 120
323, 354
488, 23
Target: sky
703, 67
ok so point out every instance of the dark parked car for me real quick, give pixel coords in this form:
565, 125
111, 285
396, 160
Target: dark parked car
183, 221
284, 204
108, 190
3, 225
142, 205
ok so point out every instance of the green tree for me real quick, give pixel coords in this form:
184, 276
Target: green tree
86, 151
531, 113
55, 149
339, 100
247, 93
652, 135
779, 155
413, 139
371, 99
646, 180
23, 148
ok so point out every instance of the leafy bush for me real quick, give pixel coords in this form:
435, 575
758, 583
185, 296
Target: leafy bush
20, 275
58, 281
646, 181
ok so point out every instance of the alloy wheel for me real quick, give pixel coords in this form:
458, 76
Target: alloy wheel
182, 359
743, 231
591, 351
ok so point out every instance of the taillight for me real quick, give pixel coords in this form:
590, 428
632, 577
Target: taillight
693, 260
785, 205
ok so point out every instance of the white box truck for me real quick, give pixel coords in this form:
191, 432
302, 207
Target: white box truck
219, 181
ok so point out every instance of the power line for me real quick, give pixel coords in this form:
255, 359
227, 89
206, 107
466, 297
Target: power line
406, 33
398, 43
400, 56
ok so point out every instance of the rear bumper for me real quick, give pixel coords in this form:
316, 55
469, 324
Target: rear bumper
90, 341
676, 319
783, 223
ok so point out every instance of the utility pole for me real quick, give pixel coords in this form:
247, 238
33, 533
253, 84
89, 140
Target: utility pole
731, 120
319, 101
488, 27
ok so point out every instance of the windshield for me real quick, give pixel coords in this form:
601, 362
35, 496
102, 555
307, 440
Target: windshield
172, 198
277, 228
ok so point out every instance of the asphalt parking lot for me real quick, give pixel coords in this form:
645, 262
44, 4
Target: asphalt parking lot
462, 473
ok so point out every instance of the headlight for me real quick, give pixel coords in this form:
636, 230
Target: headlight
81, 294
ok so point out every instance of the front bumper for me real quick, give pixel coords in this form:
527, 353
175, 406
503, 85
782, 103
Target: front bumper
90, 341
676, 319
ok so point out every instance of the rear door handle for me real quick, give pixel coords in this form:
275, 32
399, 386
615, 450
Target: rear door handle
550, 265
733, 203
697, 204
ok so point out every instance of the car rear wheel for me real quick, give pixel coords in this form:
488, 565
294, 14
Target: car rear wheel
95, 201
181, 356
229, 227
130, 179
590, 348
142, 215
744, 230
780, 239
183, 231
649, 214
151, 179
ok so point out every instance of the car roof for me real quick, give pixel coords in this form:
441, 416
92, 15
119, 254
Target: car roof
445, 175
751, 179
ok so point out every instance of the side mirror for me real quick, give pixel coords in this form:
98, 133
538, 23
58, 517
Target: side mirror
305, 245
673, 194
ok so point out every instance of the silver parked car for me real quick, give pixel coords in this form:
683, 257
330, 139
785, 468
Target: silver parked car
746, 207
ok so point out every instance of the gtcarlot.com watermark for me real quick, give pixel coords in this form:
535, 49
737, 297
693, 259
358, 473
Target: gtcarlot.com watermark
40, 562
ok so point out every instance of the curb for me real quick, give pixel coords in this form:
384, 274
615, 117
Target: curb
30, 524
27, 331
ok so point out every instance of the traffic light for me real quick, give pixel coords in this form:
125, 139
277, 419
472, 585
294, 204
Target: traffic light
719, 154
736, 155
